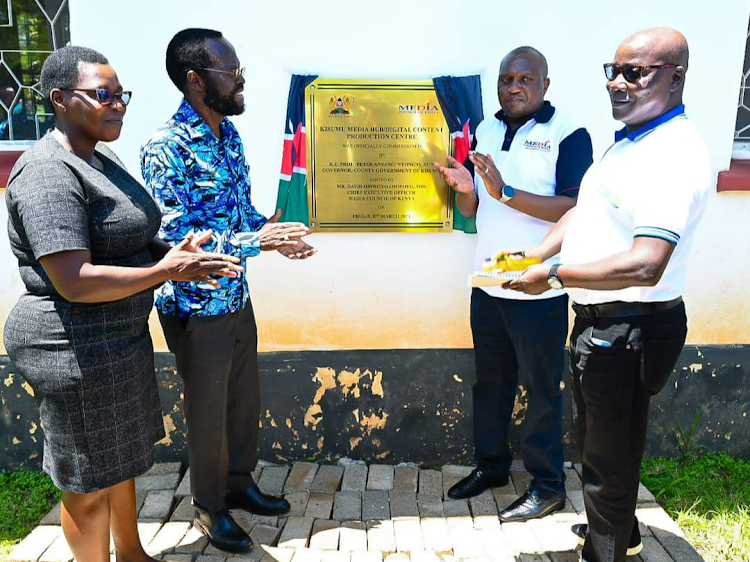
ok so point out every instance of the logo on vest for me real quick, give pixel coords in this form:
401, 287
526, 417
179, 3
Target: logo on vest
545, 146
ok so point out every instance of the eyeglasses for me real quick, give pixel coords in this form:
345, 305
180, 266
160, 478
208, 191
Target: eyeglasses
237, 73
631, 72
105, 97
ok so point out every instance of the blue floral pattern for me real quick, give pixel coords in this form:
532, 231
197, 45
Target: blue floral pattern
202, 182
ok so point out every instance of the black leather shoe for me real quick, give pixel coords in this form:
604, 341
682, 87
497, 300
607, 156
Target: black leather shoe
255, 501
531, 505
634, 546
222, 531
474, 484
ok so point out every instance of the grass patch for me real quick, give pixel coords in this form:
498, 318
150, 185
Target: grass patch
709, 497
25, 498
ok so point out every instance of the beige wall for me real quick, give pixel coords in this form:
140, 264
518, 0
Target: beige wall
372, 291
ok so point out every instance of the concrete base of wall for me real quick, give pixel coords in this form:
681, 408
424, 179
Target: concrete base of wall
405, 405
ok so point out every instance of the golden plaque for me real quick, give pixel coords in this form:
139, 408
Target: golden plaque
371, 145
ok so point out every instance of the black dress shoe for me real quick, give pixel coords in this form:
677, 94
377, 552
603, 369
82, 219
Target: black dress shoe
255, 501
222, 531
531, 505
635, 545
474, 484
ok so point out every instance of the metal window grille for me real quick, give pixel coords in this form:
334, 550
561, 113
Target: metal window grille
742, 127
29, 31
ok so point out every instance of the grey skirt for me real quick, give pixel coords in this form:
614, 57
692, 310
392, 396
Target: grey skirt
92, 370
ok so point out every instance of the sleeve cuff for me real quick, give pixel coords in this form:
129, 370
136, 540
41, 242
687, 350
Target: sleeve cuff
568, 191
248, 243
657, 232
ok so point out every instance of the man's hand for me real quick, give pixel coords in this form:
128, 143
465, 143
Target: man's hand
533, 281
302, 250
195, 240
456, 175
485, 167
276, 235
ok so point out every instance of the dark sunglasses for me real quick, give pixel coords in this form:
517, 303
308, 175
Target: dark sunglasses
631, 72
237, 73
105, 97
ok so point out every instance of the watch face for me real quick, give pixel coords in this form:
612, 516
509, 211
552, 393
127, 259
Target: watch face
509, 192
554, 283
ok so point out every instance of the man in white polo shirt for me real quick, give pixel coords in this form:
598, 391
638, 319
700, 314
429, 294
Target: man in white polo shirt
624, 254
529, 162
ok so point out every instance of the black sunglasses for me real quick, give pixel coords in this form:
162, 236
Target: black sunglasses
105, 97
631, 72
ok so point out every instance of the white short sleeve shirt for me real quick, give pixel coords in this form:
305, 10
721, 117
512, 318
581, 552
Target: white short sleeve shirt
548, 156
651, 182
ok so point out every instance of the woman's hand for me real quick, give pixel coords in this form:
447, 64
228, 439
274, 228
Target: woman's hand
187, 262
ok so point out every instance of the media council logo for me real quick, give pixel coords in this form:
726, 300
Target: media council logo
428, 108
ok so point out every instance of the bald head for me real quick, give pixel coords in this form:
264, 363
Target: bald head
529, 53
660, 43
656, 60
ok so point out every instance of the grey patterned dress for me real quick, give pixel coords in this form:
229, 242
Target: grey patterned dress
91, 365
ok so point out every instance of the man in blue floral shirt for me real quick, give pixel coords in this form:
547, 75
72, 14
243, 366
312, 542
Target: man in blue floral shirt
195, 168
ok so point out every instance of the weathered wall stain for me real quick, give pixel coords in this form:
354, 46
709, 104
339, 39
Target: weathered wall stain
326, 377
377, 385
169, 428
415, 405
373, 421
348, 386
313, 416
520, 405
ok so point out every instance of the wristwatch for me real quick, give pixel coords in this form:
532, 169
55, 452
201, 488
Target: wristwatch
553, 280
507, 193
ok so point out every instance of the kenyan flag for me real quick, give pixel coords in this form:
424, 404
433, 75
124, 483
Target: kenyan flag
292, 198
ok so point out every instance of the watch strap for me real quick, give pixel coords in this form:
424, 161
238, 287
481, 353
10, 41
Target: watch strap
553, 274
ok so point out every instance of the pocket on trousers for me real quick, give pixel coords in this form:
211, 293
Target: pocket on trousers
607, 361
661, 350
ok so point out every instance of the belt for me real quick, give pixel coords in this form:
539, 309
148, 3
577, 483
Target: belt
621, 309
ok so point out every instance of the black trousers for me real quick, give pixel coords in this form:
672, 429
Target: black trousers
217, 358
520, 342
612, 387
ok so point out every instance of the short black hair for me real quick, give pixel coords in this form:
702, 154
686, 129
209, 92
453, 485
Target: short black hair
60, 70
188, 51
527, 51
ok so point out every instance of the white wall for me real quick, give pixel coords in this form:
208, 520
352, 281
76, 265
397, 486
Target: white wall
408, 290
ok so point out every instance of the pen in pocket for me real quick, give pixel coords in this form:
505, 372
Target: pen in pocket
600, 343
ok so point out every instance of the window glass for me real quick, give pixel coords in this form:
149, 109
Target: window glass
29, 31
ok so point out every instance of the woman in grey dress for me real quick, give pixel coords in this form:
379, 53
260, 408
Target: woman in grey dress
84, 232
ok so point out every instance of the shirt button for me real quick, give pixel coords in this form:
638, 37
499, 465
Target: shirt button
627, 346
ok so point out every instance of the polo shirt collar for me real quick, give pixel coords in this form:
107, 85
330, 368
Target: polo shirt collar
650, 126
544, 114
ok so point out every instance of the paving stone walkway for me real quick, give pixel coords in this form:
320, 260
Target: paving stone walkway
350, 512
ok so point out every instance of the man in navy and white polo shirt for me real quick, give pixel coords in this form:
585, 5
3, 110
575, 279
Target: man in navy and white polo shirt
624, 254
528, 165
